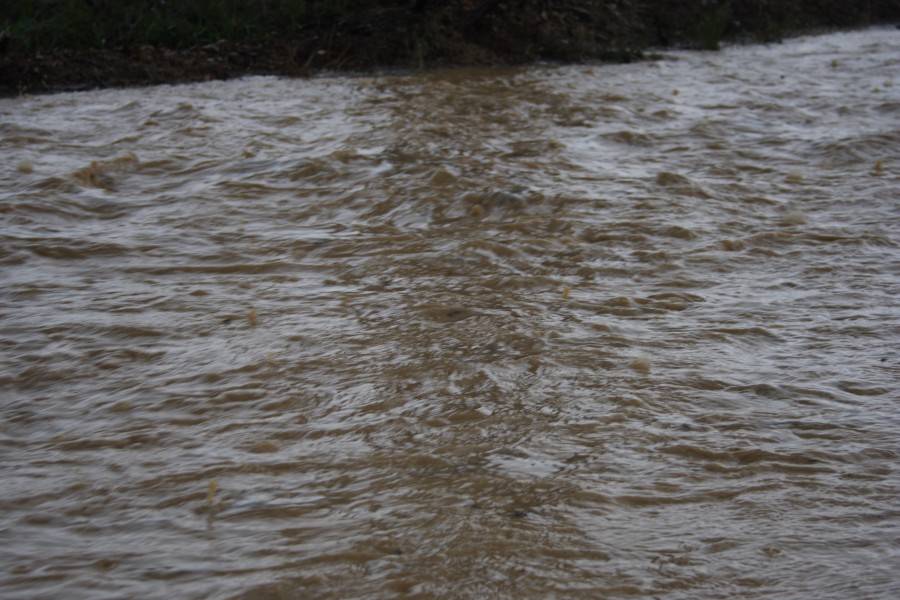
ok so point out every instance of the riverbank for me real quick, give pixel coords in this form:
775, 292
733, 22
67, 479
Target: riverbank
59, 45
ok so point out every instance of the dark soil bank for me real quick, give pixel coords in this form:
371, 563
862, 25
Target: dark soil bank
365, 35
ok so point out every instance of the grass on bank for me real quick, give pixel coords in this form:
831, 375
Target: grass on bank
30, 25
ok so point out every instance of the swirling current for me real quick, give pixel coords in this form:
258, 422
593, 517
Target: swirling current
621, 331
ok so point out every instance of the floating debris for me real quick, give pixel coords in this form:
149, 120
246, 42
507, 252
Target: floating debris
211, 490
640, 364
793, 217
441, 177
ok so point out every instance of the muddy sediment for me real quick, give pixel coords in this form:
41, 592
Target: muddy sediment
426, 33
615, 331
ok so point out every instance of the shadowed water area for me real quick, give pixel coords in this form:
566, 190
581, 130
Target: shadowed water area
549, 332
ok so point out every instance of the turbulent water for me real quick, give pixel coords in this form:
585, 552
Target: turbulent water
551, 332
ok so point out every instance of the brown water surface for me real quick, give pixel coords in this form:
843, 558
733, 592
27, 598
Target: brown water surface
580, 332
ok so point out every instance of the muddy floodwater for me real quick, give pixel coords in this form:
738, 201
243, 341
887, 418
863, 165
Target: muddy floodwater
626, 331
